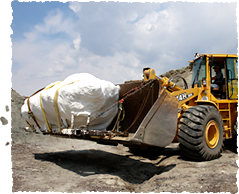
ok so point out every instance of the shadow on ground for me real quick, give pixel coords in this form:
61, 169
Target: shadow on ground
91, 162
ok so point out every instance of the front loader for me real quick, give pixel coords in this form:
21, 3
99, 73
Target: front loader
155, 112
206, 115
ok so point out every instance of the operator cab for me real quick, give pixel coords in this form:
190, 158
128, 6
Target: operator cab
223, 88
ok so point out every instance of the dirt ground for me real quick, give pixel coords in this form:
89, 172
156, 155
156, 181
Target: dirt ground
46, 163
66, 165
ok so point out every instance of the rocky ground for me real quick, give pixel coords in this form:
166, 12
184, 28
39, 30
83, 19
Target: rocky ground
48, 163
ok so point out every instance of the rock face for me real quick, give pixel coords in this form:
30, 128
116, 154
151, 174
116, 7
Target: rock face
10, 104
11, 122
185, 72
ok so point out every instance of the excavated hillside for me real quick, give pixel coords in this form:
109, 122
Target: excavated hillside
184, 72
11, 122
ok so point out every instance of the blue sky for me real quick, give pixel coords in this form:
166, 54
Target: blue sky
113, 40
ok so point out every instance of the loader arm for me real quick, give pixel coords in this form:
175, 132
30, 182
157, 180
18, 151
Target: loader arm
149, 73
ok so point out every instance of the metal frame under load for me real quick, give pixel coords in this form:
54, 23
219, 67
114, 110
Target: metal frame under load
147, 115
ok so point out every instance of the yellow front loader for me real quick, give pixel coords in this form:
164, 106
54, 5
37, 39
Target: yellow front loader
206, 115
155, 112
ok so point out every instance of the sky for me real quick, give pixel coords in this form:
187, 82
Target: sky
113, 41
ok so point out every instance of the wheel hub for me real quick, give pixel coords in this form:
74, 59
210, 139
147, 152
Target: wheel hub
212, 134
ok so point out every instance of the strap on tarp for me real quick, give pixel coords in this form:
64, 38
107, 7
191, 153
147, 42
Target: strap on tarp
43, 111
30, 113
56, 105
29, 125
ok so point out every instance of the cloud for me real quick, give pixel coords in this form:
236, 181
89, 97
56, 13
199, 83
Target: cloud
125, 28
115, 41
75, 6
5, 25
77, 42
112, 27
53, 24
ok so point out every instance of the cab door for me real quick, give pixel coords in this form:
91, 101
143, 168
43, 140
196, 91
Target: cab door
232, 79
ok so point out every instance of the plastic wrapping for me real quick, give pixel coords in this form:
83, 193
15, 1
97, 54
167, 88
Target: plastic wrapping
78, 98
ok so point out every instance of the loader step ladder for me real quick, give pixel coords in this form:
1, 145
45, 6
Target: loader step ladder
225, 111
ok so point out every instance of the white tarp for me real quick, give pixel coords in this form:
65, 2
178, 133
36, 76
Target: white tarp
80, 95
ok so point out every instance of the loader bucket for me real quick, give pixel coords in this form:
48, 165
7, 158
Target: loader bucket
160, 124
150, 113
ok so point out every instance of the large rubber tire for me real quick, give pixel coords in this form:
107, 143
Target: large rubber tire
201, 133
236, 131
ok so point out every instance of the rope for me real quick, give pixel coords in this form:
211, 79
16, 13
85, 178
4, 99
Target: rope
141, 108
116, 126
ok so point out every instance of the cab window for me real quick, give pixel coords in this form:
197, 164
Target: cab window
199, 72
